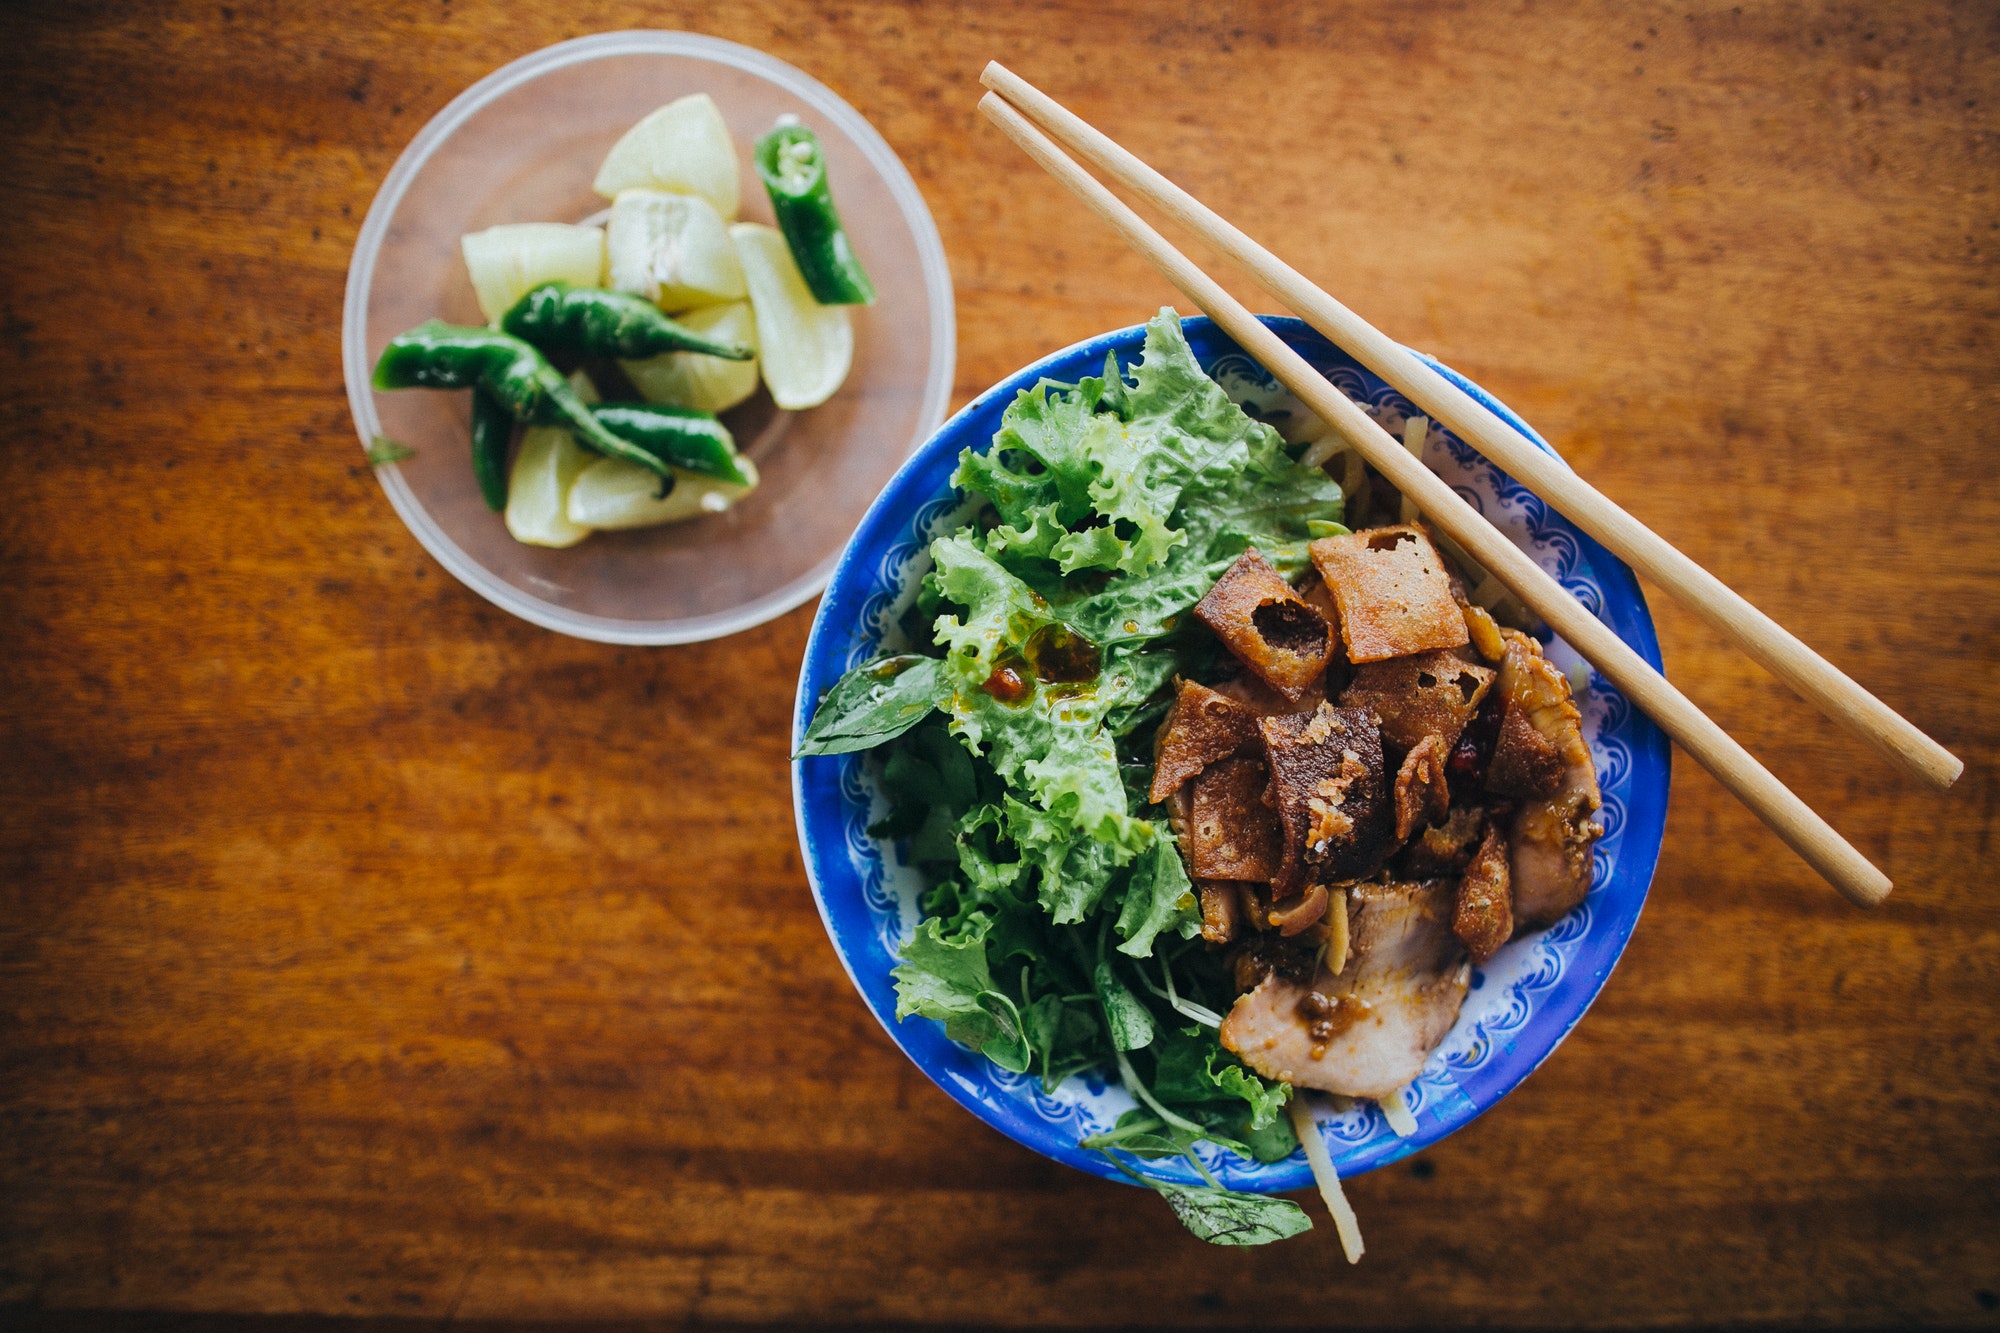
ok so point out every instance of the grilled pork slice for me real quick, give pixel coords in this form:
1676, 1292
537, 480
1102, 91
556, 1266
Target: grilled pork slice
1367, 1031
1552, 833
1268, 626
1331, 795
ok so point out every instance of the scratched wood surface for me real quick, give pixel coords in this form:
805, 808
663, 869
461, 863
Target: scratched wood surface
364, 951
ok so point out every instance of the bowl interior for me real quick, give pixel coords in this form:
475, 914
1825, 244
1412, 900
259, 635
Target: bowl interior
523, 145
1522, 1003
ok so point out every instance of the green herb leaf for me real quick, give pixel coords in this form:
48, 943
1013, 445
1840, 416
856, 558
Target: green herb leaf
1225, 1217
1130, 1022
382, 450
875, 702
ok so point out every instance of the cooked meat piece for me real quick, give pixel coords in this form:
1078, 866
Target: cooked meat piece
1480, 627
1552, 833
1444, 848
1264, 956
1268, 626
1331, 796
1367, 1031
1483, 920
1233, 834
1551, 842
1525, 763
1202, 728
1429, 694
1220, 918
1392, 591
1422, 795
1302, 913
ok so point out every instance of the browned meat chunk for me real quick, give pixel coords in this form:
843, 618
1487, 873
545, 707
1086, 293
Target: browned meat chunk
1366, 1031
1268, 626
1232, 834
1443, 849
1202, 728
1331, 796
1525, 763
1220, 917
1392, 591
1429, 694
1422, 796
1552, 834
1483, 920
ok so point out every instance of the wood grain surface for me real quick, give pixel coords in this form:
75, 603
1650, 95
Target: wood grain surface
364, 951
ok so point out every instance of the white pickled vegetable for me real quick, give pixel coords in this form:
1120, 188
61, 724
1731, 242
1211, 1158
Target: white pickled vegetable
684, 147
805, 348
690, 379
506, 261
613, 493
538, 491
672, 249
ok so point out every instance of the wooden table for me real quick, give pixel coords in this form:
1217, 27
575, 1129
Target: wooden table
366, 951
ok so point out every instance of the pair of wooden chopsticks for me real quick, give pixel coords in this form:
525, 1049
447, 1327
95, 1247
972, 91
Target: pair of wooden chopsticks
1018, 107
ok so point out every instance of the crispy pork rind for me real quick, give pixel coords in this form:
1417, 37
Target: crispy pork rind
1422, 795
1269, 627
1232, 834
1483, 917
1525, 763
1393, 593
1204, 727
1428, 694
1331, 796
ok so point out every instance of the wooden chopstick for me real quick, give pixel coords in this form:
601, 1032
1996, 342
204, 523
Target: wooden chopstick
1713, 748
1766, 641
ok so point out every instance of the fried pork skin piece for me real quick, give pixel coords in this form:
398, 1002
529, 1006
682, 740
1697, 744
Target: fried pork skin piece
1552, 833
1232, 834
1331, 796
1427, 694
1393, 593
1483, 918
1422, 794
1202, 728
1367, 1031
1268, 626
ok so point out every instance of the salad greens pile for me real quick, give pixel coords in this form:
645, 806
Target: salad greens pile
1059, 928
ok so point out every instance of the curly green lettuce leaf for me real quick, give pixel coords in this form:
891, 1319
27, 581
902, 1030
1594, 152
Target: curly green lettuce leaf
948, 979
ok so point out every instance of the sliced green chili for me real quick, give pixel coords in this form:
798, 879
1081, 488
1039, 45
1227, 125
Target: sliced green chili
492, 433
557, 317
681, 436
436, 355
794, 173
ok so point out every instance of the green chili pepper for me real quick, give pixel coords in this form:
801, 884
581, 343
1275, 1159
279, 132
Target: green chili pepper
492, 432
681, 436
794, 173
557, 317
436, 355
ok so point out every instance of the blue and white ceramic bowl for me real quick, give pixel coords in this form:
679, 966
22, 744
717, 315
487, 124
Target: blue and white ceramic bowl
1522, 1003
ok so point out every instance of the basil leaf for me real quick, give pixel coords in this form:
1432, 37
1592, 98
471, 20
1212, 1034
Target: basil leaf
875, 702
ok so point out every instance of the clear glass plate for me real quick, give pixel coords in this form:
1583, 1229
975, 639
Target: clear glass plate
522, 145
